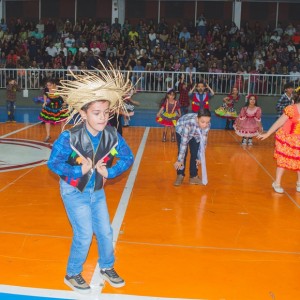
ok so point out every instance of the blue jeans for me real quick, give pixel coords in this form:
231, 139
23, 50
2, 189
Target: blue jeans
88, 214
11, 107
194, 146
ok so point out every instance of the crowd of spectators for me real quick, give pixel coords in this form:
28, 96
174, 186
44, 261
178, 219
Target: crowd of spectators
207, 47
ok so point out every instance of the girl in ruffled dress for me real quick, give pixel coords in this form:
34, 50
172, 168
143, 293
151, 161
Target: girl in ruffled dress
287, 142
54, 109
227, 110
168, 114
248, 124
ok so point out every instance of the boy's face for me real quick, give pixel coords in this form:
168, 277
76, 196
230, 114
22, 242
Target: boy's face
96, 116
290, 90
203, 122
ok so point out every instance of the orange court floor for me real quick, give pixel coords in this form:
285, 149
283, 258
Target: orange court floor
233, 239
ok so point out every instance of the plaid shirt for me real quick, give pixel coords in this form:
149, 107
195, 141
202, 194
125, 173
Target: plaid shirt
282, 103
188, 128
61, 151
11, 92
184, 98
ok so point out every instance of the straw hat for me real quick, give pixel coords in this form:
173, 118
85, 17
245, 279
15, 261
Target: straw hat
107, 84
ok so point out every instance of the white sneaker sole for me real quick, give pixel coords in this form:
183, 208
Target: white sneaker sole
80, 291
113, 284
277, 189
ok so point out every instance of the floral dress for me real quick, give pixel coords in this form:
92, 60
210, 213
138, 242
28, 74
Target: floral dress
287, 141
227, 110
170, 114
248, 123
54, 111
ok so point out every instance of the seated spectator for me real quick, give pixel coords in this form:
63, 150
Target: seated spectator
72, 66
69, 41
51, 50
83, 49
116, 25
138, 75
91, 60
295, 76
126, 27
133, 35
275, 37
73, 49
116, 36
259, 61
111, 49
36, 34
279, 29
62, 48
95, 50
290, 30
3, 25
103, 47
233, 29
12, 59
185, 34
152, 38
291, 47
164, 36
40, 26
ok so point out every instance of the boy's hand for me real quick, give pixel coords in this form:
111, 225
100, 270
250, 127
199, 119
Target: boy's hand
101, 168
87, 164
198, 162
178, 165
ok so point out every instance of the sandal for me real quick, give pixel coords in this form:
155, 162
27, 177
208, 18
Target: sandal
298, 187
278, 189
47, 139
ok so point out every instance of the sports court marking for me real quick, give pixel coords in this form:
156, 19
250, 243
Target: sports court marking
268, 173
9, 292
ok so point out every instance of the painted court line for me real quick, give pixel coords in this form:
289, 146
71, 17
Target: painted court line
268, 173
97, 281
217, 248
18, 130
47, 293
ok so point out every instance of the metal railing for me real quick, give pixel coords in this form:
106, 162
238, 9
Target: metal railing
161, 81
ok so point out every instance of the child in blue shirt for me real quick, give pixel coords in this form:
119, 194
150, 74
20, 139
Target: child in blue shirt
82, 157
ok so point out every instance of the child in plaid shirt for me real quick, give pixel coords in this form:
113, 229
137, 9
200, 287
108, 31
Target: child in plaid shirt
184, 98
192, 130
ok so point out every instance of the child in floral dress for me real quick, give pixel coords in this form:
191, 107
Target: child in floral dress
227, 110
168, 114
248, 124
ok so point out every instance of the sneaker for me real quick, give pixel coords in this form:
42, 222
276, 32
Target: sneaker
244, 141
112, 277
250, 142
77, 284
195, 180
277, 188
178, 180
298, 187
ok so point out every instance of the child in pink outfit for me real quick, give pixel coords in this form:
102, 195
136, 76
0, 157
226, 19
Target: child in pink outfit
248, 124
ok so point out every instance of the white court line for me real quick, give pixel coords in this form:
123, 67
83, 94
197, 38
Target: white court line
268, 173
72, 295
97, 281
21, 129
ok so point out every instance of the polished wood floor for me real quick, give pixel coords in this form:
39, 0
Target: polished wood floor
234, 239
